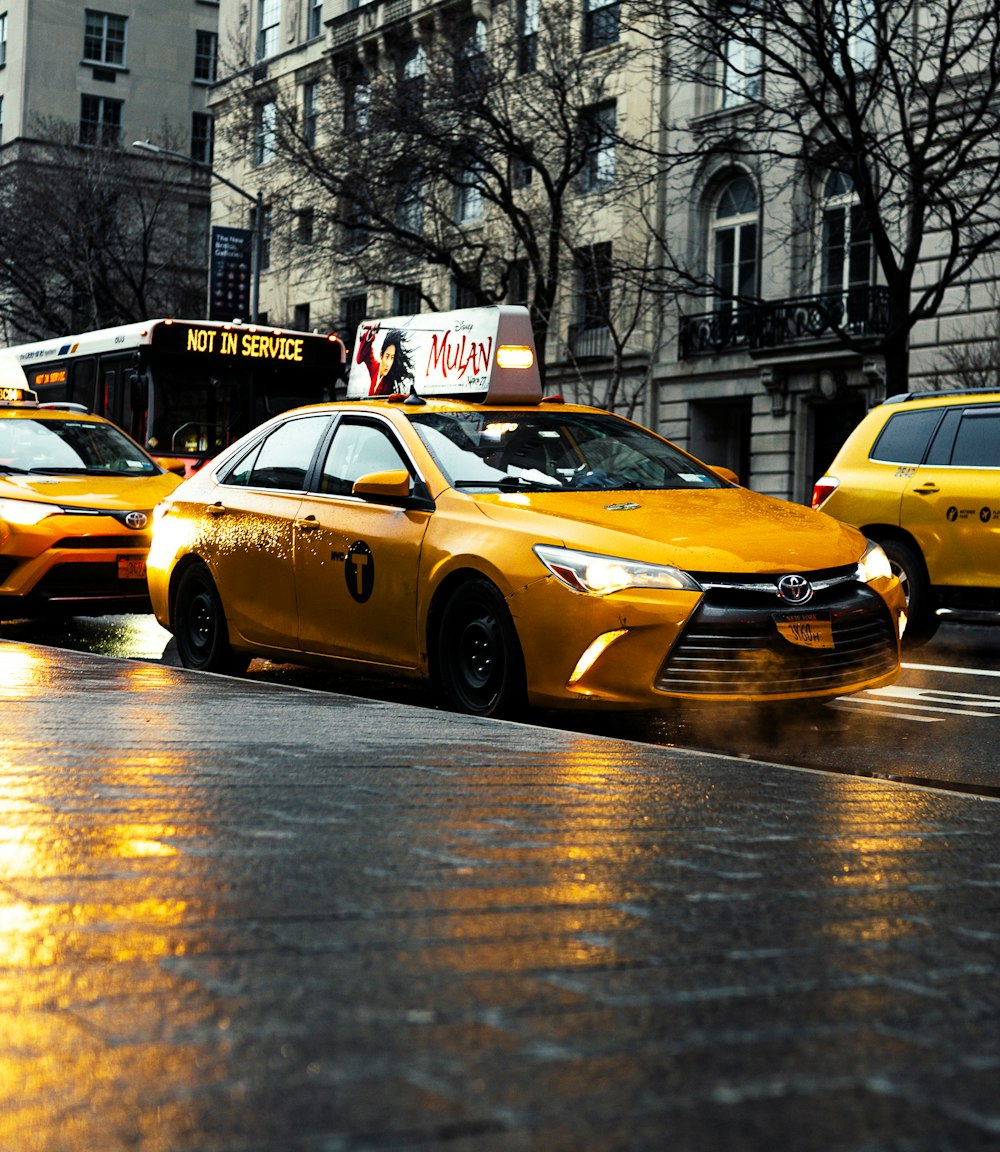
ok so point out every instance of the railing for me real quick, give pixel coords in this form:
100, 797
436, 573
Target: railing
859, 312
589, 343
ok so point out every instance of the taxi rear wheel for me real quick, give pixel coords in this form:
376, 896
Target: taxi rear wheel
480, 666
200, 626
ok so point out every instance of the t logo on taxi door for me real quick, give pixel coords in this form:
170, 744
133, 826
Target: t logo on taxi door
359, 570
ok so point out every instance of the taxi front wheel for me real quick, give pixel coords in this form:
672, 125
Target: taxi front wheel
921, 618
200, 626
480, 666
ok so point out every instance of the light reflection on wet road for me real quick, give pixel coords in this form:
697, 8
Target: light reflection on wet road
939, 726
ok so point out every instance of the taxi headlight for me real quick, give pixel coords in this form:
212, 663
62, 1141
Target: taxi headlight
598, 575
874, 565
26, 511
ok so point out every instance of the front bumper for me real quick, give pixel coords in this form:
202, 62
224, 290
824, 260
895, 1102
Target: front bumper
722, 645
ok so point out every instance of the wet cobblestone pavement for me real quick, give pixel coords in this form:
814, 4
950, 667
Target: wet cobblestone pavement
240, 917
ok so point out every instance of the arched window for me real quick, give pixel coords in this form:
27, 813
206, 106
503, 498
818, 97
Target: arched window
734, 243
845, 241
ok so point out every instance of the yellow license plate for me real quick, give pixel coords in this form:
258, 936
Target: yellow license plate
807, 629
131, 568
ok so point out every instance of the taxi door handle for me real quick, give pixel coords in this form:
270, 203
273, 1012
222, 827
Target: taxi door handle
216, 510
309, 524
928, 488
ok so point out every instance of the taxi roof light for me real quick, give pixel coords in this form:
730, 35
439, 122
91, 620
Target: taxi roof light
515, 356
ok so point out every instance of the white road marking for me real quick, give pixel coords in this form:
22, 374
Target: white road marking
924, 700
956, 671
851, 704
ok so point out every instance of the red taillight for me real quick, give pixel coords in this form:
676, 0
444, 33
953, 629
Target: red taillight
823, 489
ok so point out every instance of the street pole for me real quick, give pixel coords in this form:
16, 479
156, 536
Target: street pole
257, 248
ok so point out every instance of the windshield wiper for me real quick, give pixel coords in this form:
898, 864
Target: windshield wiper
14, 468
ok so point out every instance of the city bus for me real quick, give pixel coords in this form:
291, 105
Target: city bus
185, 389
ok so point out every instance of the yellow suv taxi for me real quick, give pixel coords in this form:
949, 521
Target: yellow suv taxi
921, 475
76, 508
449, 523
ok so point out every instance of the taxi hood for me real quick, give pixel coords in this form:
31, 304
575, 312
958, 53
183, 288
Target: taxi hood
705, 530
116, 493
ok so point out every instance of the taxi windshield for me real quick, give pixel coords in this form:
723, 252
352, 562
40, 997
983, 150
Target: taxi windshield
555, 451
58, 447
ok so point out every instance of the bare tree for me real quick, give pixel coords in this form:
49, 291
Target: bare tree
900, 97
408, 152
86, 241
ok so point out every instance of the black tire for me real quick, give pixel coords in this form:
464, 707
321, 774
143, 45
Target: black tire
921, 617
199, 626
480, 668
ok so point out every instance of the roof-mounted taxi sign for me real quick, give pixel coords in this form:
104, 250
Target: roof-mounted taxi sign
14, 390
477, 354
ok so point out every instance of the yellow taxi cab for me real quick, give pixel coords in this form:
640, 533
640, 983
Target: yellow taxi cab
76, 508
449, 523
921, 475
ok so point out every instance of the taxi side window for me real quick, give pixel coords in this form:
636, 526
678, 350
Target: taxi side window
358, 450
977, 442
905, 437
283, 459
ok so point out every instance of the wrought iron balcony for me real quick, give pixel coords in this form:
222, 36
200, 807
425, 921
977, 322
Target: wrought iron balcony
859, 312
589, 342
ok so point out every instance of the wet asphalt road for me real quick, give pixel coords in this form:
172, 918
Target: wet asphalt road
239, 917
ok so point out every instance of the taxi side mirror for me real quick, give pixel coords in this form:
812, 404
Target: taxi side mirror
394, 484
725, 473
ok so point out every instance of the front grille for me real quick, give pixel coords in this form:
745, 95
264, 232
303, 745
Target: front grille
118, 543
86, 581
731, 646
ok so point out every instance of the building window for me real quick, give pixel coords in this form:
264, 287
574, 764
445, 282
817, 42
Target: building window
3, 39
310, 111
353, 310
600, 24
598, 131
1, 119
104, 38
845, 242
265, 123
469, 196
734, 244
306, 226
518, 283
406, 299
527, 35
463, 295
740, 63
101, 121
301, 319
202, 137
410, 205
357, 103
206, 50
470, 60
315, 18
412, 73
854, 36
593, 286
268, 27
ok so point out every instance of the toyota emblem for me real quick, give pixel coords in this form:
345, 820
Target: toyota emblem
136, 520
795, 589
